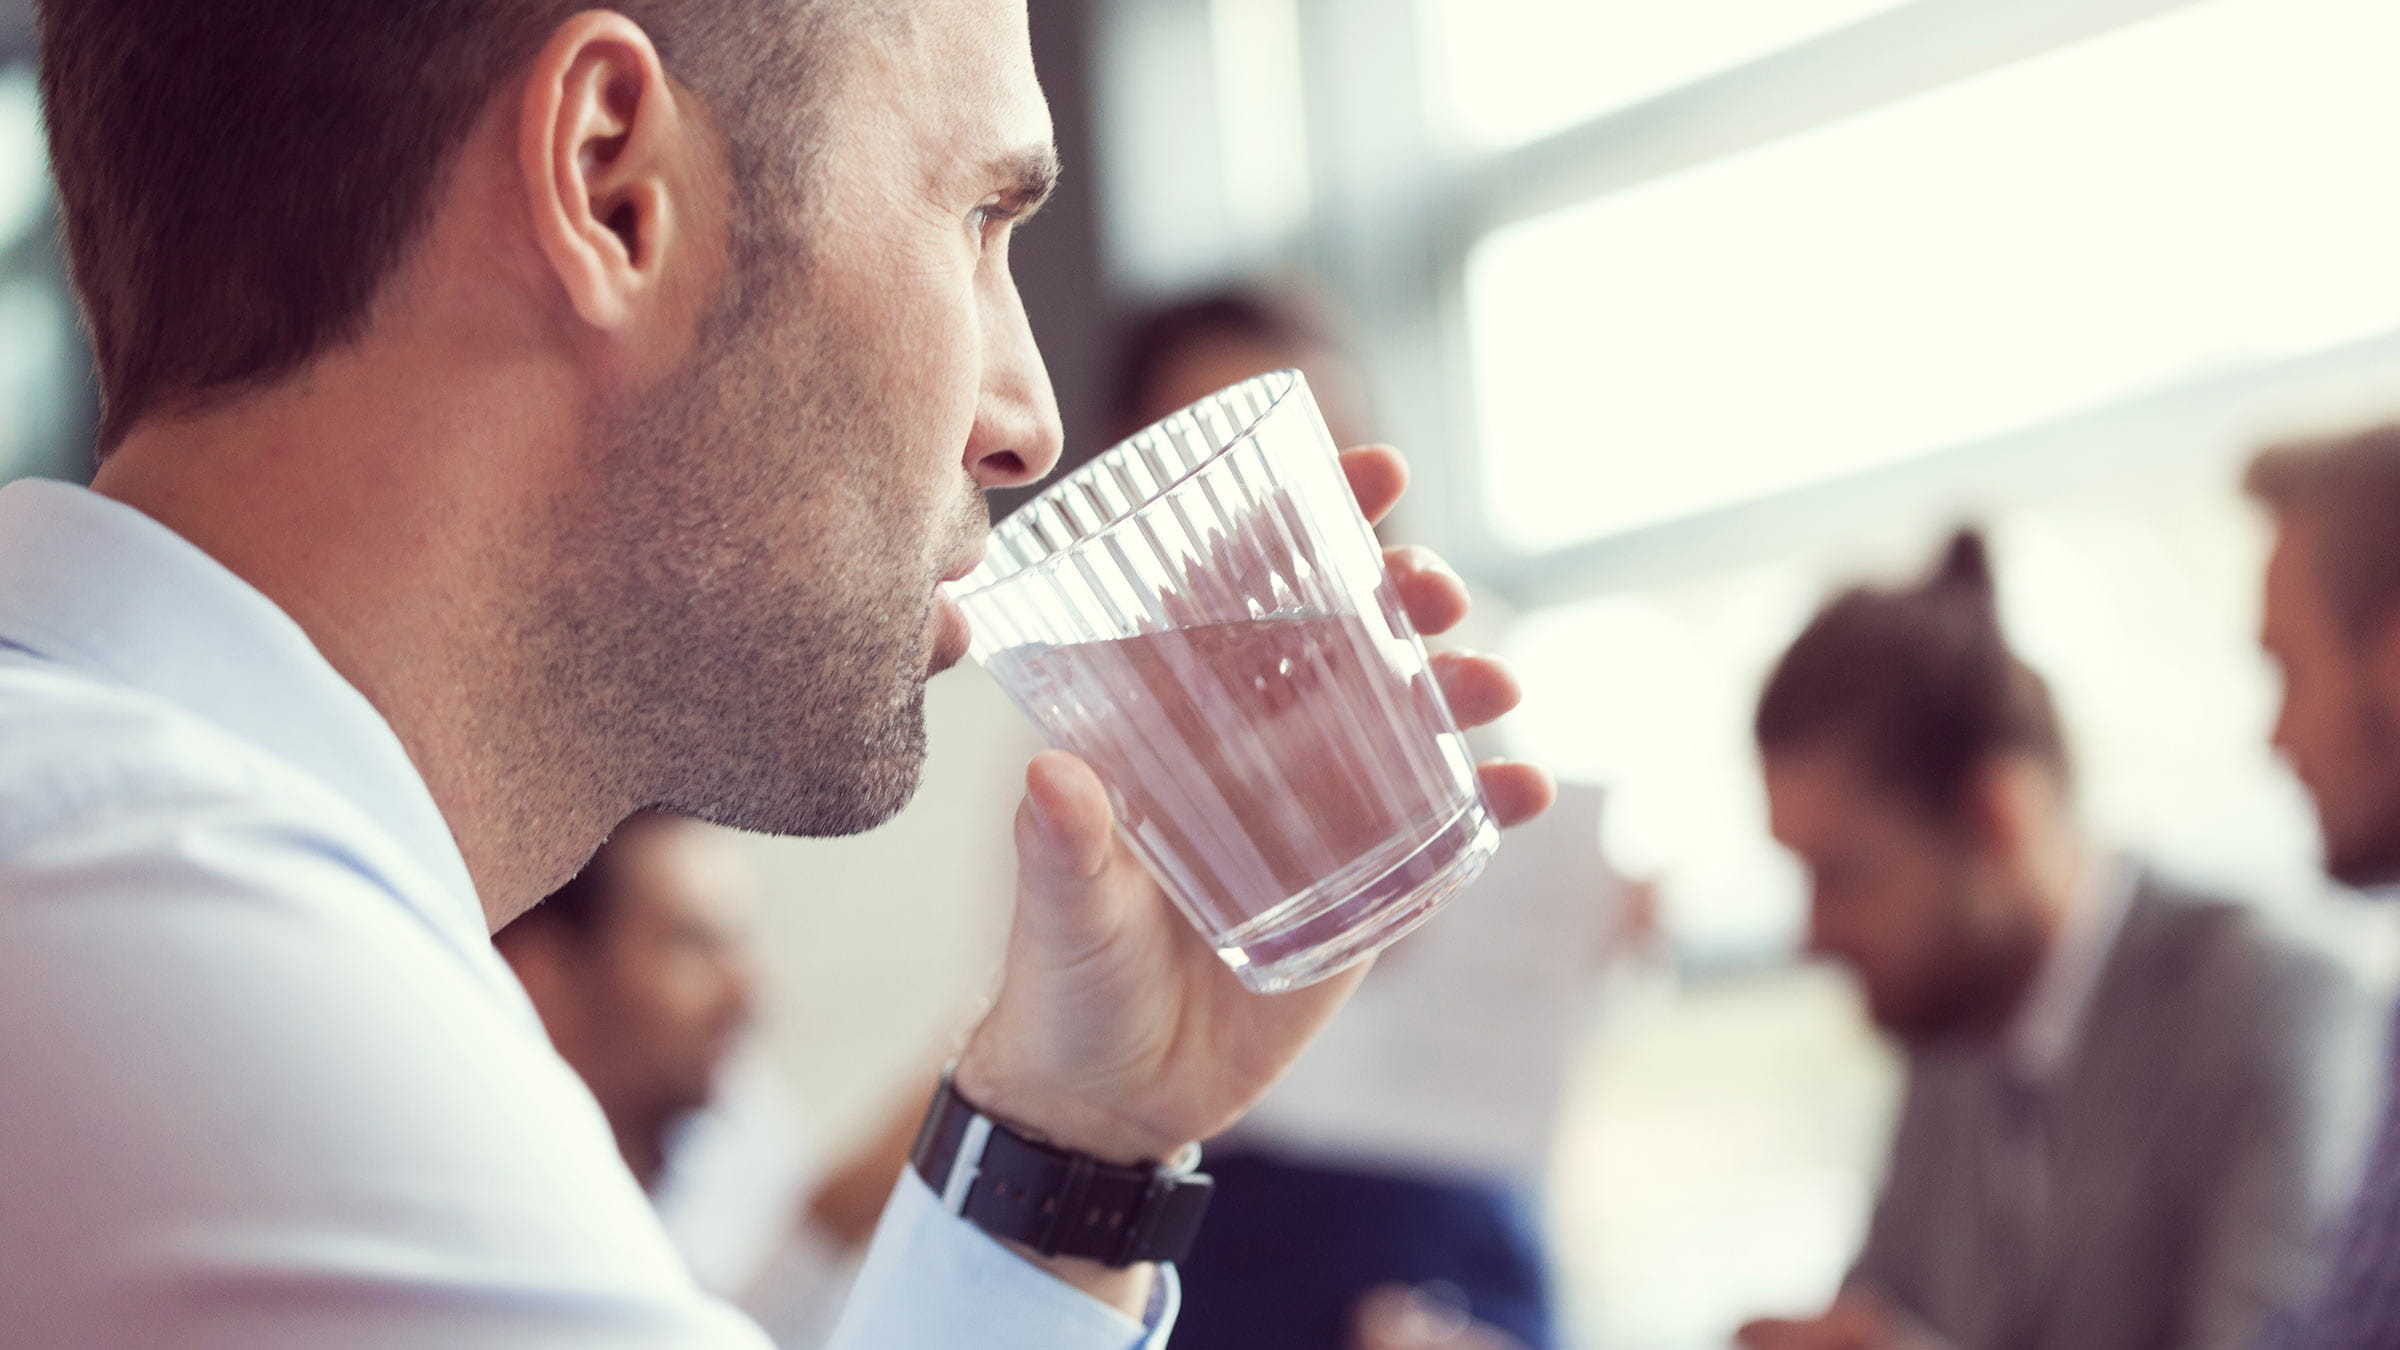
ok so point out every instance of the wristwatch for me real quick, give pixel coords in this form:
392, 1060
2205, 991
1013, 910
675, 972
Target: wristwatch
1058, 1202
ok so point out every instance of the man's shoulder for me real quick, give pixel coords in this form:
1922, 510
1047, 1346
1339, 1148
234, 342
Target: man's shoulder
125, 817
2231, 974
247, 1064
132, 830
80, 750
95, 770
2200, 931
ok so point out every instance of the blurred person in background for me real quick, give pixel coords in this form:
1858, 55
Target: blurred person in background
2128, 1108
643, 970
1406, 1149
1183, 351
2331, 624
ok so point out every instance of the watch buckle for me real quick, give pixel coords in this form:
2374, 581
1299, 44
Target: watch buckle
967, 1164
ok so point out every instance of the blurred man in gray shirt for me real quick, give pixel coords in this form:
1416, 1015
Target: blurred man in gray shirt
2128, 1108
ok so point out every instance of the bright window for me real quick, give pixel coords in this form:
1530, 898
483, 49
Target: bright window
2201, 193
1517, 69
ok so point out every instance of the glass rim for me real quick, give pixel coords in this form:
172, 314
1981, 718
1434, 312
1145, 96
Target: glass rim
982, 580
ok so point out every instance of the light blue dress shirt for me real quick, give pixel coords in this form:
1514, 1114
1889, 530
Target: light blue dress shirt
263, 1082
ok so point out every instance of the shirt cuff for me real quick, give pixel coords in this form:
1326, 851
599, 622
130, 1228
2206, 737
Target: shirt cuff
933, 1279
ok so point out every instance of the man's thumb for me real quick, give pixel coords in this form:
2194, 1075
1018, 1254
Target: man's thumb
1063, 829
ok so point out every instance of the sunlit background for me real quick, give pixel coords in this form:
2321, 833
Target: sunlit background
1684, 312
1692, 311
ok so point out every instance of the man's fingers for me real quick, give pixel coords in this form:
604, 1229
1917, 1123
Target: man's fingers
1477, 688
1433, 595
1780, 1333
1378, 475
1396, 1317
1063, 828
1515, 792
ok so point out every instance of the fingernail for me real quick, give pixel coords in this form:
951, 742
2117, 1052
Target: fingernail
1035, 783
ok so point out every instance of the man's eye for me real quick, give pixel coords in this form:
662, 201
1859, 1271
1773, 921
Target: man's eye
992, 216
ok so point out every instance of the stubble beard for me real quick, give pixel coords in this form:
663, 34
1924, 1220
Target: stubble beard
1974, 985
2365, 853
735, 629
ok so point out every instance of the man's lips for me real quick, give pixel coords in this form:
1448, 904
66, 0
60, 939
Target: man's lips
950, 636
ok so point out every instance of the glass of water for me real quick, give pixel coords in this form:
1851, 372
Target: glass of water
1203, 616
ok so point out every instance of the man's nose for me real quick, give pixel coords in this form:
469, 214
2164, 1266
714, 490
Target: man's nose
2280, 738
1017, 437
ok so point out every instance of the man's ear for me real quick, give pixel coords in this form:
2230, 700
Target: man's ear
2007, 799
605, 150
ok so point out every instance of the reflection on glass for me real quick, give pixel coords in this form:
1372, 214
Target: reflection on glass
2056, 235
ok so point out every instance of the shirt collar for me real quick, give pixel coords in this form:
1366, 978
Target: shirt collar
96, 585
2042, 1035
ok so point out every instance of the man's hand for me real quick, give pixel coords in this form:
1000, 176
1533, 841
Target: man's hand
1860, 1319
1397, 1317
1117, 1030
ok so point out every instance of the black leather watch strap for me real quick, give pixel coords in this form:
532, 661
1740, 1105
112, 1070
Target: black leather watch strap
1053, 1200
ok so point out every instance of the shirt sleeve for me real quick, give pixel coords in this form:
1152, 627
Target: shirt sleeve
933, 1279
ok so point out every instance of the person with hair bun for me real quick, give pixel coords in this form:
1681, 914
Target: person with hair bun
2128, 1108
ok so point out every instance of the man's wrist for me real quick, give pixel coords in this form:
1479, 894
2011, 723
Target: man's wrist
1055, 1119
1060, 1118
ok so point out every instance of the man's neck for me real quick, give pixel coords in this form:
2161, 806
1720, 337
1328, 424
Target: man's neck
350, 527
2043, 1010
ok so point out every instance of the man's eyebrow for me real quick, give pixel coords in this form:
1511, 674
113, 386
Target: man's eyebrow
1027, 177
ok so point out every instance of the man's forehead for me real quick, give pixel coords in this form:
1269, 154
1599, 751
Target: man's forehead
962, 71
2291, 572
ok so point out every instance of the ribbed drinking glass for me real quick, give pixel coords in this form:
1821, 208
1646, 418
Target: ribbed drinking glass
1203, 615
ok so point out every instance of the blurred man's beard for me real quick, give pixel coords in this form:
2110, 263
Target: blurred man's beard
1971, 990
2364, 851
733, 626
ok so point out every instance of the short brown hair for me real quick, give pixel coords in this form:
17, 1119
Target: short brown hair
1919, 681
238, 181
2347, 489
